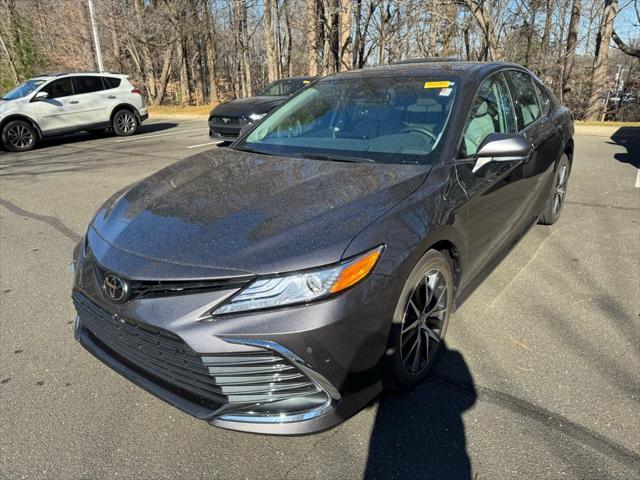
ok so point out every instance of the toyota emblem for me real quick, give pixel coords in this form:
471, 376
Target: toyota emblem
115, 288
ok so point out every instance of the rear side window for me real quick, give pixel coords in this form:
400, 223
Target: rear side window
492, 112
525, 94
545, 100
111, 82
87, 84
59, 88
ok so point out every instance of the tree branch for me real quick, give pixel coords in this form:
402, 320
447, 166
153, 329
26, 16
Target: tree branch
634, 52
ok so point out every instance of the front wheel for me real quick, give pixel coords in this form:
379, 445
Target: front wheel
554, 205
124, 123
420, 321
19, 136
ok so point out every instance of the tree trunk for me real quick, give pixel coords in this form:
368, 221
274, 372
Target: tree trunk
167, 60
273, 62
433, 28
544, 48
10, 61
311, 17
346, 11
570, 57
211, 64
485, 22
600, 62
185, 91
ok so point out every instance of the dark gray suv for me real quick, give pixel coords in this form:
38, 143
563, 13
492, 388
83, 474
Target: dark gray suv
277, 285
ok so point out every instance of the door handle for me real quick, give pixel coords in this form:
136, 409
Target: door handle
111, 97
74, 101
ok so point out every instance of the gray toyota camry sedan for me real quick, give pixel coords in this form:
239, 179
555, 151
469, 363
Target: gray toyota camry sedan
278, 285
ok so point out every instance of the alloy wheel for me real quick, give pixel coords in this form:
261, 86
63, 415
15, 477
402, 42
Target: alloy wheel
560, 188
126, 122
424, 321
19, 137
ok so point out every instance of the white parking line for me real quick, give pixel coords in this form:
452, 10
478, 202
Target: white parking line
205, 144
638, 179
142, 137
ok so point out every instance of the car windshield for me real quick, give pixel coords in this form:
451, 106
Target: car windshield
23, 89
283, 88
386, 120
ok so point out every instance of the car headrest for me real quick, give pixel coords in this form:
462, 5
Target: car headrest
482, 110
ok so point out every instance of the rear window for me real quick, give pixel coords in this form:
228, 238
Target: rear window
87, 84
525, 93
111, 82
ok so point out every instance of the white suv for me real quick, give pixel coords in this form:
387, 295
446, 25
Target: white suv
72, 102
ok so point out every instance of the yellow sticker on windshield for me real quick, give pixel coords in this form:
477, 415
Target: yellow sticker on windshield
439, 84
306, 81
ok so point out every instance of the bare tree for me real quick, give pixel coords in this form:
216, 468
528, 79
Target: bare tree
599, 75
570, 56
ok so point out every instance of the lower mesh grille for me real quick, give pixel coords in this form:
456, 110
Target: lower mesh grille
241, 378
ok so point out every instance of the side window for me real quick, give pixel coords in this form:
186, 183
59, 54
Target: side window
111, 82
59, 88
545, 101
525, 94
87, 84
492, 112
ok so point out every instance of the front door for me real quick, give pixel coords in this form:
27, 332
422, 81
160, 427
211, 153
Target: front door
494, 193
58, 112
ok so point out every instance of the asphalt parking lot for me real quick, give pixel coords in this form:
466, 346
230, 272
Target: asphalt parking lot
540, 379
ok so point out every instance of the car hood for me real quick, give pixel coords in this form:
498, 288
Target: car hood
226, 212
246, 106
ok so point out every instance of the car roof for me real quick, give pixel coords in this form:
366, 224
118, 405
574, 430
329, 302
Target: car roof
50, 76
471, 71
302, 77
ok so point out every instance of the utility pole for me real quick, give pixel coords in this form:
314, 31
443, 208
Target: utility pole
96, 39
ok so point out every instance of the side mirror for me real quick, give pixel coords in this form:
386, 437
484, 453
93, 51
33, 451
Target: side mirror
41, 97
245, 129
502, 147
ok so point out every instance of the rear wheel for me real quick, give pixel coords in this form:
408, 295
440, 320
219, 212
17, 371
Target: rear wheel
552, 210
420, 321
19, 136
124, 123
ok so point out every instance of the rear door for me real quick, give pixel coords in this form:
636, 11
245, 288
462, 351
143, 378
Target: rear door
90, 94
534, 114
57, 113
493, 194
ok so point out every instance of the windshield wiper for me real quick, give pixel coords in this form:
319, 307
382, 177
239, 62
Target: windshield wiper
248, 150
337, 158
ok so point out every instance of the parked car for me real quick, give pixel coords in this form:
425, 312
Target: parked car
50, 105
227, 119
277, 285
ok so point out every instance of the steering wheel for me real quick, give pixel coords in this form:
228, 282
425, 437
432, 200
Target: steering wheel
293, 130
423, 131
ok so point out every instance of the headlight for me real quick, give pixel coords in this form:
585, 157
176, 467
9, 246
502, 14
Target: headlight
254, 117
302, 287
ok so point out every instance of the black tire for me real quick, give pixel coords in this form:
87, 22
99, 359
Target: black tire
398, 365
124, 123
19, 136
555, 202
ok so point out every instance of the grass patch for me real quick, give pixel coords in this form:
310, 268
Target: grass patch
187, 110
606, 124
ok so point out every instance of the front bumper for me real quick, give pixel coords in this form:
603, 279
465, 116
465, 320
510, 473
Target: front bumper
226, 128
291, 371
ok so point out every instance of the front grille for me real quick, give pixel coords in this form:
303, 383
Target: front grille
241, 378
138, 288
158, 352
230, 121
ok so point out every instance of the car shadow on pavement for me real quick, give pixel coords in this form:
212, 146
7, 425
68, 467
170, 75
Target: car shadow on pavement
84, 136
420, 434
629, 138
